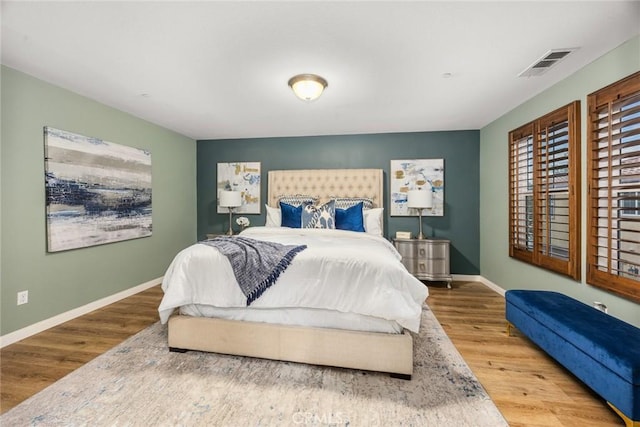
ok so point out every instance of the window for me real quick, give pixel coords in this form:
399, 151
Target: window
544, 191
613, 249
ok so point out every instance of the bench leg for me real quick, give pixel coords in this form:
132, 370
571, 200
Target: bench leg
628, 422
509, 326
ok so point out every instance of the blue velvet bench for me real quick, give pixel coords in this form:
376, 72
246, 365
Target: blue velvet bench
602, 351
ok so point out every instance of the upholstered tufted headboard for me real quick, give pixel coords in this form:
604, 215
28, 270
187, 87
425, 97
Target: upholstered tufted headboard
326, 183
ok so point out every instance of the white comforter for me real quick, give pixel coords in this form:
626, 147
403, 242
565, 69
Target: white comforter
340, 270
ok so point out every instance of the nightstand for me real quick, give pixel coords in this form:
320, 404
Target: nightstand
426, 259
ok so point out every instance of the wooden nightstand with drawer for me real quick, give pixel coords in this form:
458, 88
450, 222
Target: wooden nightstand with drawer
427, 259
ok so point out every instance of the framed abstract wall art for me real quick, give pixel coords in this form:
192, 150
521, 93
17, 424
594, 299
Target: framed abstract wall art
97, 192
416, 174
243, 177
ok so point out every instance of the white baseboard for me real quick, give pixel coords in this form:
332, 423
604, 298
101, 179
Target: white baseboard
30, 330
488, 283
466, 277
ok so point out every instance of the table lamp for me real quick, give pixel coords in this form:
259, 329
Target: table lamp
230, 200
419, 199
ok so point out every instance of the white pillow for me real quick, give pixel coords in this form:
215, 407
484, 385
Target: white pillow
274, 217
373, 221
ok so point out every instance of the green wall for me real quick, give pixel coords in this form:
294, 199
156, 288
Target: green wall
495, 264
59, 282
459, 149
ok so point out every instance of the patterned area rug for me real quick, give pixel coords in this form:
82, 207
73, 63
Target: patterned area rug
140, 383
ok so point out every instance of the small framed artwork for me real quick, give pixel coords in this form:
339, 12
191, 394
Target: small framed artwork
243, 177
415, 174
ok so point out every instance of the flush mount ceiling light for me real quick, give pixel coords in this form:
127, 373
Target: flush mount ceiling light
307, 86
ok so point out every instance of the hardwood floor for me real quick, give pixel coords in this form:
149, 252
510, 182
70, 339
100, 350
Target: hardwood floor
32, 364
528, 387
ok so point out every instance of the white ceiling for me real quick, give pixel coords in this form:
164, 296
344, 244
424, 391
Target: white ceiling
212, 70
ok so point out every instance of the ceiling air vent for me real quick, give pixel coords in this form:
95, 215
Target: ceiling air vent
547, 61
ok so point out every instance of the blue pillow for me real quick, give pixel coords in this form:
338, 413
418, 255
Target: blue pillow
319, 217
351, 218
291, 215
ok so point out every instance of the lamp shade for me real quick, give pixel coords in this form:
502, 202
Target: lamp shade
230, 199
307, 86
419, 199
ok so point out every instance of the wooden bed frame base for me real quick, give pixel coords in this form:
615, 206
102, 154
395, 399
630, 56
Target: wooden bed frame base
369, 351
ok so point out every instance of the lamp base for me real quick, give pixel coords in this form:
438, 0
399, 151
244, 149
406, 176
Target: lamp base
420, 235
230, 232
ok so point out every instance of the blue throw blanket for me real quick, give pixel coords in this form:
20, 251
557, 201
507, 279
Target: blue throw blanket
256, 264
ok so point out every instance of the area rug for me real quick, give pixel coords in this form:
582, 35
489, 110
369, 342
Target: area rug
141, 383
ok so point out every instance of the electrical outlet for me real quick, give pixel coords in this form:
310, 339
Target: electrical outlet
23, 297
600, 306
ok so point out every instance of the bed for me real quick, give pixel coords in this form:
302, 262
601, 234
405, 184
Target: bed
315, 313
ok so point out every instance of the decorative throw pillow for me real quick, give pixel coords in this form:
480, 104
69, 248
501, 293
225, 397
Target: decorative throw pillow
351, 218
373, 221
347, 202
319, 217
291, 215
274, 217
297, 199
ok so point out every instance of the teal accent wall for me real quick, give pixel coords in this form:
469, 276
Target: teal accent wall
495, 264
59, 282
459, 149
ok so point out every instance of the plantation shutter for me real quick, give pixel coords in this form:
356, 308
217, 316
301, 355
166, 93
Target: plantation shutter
544, 206
556, 197
521, 193
613, 252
